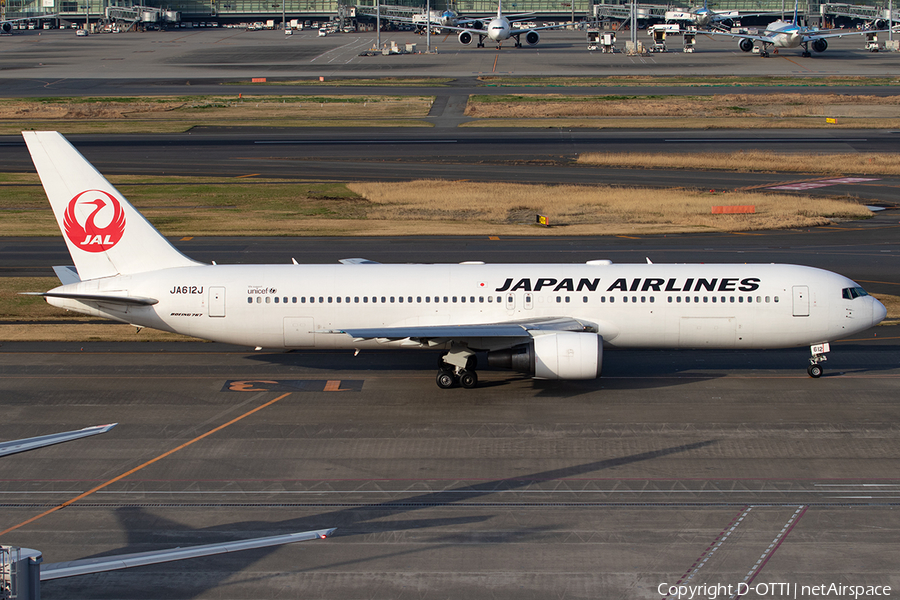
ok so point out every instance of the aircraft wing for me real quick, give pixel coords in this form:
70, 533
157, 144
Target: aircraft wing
24, 445
831, 33
437, 333
124, 561
756, 38
736, 14
520, 31
560, 26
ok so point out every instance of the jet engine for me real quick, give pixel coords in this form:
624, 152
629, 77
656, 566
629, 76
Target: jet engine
561, 355
819, 45
746, 45
465, 38
532, 38
476, 25
6, 27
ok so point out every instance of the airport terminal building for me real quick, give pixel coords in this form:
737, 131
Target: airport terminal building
168, 12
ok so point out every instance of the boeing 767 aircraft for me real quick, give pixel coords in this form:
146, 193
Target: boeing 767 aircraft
551, 321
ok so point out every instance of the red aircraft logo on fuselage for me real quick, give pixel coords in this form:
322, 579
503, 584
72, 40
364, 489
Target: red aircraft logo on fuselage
90, 236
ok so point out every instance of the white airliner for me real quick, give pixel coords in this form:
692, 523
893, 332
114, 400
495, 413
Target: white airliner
499, 29
444, 18
7, 25
705, 17
549, 320
788, 34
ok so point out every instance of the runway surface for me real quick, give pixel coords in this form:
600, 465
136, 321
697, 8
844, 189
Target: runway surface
675, 467
605, 488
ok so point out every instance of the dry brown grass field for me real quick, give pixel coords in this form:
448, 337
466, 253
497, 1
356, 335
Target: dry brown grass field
590, 210
862, 163
173, 114
709, 111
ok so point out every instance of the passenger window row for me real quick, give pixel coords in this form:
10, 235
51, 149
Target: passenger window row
373, 299
723, 299
490, 299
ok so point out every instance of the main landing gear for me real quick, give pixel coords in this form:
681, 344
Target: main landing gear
815, 369
457, 367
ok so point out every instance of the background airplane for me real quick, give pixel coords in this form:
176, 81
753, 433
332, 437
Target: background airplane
451, 18
499, 29
706, 17
7, 25
788, 34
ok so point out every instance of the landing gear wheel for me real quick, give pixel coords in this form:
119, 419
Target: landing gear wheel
468, 379
806, 54
815, 371
445, 380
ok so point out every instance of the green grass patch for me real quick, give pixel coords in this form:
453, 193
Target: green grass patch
363, 82
543, 99
689, 80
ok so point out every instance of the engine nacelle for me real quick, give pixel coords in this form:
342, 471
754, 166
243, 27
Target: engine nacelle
465, 38
746, 45
6, 27
561, 355
532, 38
819, 45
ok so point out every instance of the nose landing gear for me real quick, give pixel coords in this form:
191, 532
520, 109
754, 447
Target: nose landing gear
815, 369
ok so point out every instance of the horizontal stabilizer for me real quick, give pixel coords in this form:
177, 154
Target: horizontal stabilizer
124, 561
358, 261
24, 445
108, 298
67, 275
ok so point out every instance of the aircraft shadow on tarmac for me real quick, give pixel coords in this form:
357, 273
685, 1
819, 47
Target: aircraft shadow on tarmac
646, 374
622, 369
351, 521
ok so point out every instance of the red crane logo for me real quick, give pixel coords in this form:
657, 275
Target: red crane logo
89, 236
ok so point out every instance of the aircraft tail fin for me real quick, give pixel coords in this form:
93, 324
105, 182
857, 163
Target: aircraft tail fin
499, 9
105, 234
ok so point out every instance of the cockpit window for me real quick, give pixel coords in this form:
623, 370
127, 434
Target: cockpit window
854, 292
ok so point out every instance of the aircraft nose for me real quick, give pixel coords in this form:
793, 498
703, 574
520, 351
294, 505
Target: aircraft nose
879, 312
